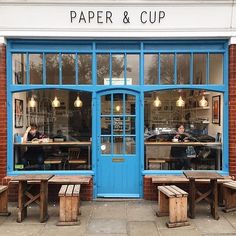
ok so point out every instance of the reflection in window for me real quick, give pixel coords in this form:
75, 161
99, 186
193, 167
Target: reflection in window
103, 68
52, 68
201, 117
132, 69
183, 68
59, 125
36, 68
216, 69
199, 68
151, 69
68, 68
85, 68
19, 68
167, 68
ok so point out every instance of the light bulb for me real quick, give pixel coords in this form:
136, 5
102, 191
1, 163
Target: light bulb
180, 102
203, 102
157, 102
78, 102
118, 108
32, 103
56, 102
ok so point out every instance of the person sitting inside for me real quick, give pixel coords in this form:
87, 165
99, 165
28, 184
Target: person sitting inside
180, 152
33, 158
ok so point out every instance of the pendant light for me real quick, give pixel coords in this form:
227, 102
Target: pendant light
203, 102
32, 103
118, 107
78, 102
157, 102
180, 102
56, 102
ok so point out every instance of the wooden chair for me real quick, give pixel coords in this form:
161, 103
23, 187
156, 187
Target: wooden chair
54, 161
74, 157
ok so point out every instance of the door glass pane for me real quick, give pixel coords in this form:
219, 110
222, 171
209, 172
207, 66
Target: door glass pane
68, 68
36, 68
132, 69
52, 68
118, 145
105, 125
106, 105
130, 125
118, 69
130, 104
130, 145
199, 68
19, 68
150, 69
167, 68
118, 103
118, 125
216, 69
183, 68
105, 145
85, 68
103, 69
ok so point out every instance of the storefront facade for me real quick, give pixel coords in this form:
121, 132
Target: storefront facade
112, 84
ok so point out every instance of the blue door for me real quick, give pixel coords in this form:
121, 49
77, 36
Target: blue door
118, 164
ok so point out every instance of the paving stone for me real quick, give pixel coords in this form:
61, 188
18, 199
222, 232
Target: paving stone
180, 231
20, 230
108, 226
142, 228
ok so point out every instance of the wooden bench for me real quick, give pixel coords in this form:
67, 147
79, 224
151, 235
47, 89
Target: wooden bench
69, 205
229, 196
4, 201
173, 202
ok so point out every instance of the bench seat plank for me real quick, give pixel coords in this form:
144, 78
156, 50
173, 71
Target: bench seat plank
3, 188
69, 191
76, 190
62, 191
166, 191
231, 184
181, 191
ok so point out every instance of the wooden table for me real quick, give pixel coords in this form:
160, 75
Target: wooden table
25, 184
210, 196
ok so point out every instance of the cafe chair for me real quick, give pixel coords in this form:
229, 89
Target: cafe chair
74, 158
53, 161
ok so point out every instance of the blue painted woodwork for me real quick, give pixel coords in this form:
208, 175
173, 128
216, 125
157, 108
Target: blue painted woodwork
115, 47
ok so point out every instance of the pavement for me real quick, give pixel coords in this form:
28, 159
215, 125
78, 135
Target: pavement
117, 218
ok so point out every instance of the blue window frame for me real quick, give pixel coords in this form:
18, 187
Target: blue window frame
140, 48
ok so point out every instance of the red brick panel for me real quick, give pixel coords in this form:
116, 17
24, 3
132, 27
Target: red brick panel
232, 110
3, 113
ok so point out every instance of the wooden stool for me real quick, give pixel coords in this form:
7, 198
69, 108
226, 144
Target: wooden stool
69, 205
229, 196
172, 201
4, 201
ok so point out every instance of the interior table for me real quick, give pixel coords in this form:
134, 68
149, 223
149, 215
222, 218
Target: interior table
25, 184
196, 196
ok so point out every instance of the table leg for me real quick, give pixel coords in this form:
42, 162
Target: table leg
214, 200
22, 209
192, 197
43, 201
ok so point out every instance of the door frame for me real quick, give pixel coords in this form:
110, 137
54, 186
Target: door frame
138, 124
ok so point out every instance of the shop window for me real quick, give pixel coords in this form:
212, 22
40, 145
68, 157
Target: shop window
199, 68
36, 68
19, 68
52, 68
62, 125
183, 68
85, 68
167, 68
151, 69
68, 68
132, 69
216, 69
103, 68
199, 145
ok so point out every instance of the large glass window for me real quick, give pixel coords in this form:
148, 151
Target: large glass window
183, 130
63, 137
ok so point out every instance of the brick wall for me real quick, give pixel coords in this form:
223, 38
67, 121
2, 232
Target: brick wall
3, 112
232, 110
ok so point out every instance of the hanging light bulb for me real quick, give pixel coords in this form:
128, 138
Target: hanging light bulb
180, 102
157, 102
78, 102
203, 102
56, 102
32, 103
118, 108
